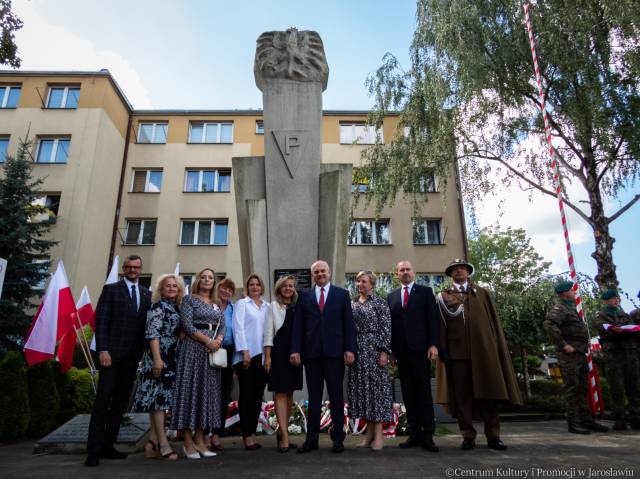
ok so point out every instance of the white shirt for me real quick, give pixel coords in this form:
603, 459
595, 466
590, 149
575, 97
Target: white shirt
248, 327
275, 320
410, 286
461, 286
326, 292
129, 284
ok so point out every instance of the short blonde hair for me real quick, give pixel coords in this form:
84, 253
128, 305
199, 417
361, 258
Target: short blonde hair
195, 287
246, 283
369, 274
157, 290
280, 284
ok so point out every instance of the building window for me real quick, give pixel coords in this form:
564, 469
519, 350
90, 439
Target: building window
359, 133
204, 232
383, 284
53, 150
9, 96
207, 181
41, 266
63, 97
51, 203
210, 132
140, 232
427, 183
4, 146
259, 127
152, 132
428, 279
427, 231
146, 181
369, 232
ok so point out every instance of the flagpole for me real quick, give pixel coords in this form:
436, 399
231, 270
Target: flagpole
85, 347
87, 358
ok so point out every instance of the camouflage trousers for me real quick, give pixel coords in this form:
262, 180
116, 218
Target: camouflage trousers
575, 387
623, 375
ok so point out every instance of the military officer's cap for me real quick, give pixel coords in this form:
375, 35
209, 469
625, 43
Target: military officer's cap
563, 286
458, 262
609, 293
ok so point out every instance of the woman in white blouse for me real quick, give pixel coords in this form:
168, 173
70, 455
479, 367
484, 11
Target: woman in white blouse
284, 377
249, 316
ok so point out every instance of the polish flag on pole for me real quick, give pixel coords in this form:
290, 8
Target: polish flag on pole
53, 320
177, 270
112, 278
85, 315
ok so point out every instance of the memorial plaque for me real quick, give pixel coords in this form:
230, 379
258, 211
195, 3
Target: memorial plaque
72, 436
303, 277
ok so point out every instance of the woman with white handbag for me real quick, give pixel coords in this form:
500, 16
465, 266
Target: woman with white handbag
196, 402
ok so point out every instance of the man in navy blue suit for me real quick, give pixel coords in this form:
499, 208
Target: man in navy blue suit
324, 340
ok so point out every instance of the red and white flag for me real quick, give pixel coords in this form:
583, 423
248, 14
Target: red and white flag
85, 315
53, 320
112, 278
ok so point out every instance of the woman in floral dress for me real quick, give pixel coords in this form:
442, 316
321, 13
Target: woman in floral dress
369, 382
155, 390
196, 399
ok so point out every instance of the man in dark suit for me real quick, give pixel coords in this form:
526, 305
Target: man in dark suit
324, 340
120, 324
414, 341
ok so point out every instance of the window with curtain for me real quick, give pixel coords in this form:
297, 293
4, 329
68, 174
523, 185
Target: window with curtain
204, 232
369, 232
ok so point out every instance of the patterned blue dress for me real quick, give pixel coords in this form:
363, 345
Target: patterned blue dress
196, 397
156, 394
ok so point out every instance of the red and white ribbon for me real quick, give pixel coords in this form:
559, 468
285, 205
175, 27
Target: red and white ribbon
594, 387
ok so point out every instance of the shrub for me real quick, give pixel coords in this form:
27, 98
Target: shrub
14, 398
82, 395
65, 393
546, 388
44, 401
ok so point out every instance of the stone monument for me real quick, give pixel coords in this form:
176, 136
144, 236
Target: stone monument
292, 209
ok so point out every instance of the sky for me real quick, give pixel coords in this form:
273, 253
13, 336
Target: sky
198, 54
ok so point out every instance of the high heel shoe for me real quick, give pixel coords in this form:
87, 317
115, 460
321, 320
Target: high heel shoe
192, 455
205, 452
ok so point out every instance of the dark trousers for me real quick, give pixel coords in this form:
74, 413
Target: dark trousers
226, 386
461, 395
252, 382
414, 370
112, 397
318, 371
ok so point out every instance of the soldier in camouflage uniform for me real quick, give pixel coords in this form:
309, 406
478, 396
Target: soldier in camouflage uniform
621, 358
571, 337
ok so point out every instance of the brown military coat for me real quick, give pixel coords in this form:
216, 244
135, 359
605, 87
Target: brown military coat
482, 336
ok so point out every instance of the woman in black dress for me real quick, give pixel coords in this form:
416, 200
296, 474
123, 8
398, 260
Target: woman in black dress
284, 378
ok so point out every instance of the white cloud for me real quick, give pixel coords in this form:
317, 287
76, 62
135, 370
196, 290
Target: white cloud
44, 46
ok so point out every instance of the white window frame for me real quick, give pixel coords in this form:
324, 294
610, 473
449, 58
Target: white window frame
259, 131
7, 94
8, 139
371, 131
212, 233
205, 124
432, 276
65, 96
42, 285
423, 183
374, 239
414, 224
54, 150
216, 183
153, 132
42, 201
142, 222
146, 181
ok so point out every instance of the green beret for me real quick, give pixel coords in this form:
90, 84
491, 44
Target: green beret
563, 286
609, 293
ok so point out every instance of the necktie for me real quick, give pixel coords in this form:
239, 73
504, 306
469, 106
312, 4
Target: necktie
321, 302
405, 299
134, 297
462, 289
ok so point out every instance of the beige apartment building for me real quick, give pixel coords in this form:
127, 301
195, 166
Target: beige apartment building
158, 183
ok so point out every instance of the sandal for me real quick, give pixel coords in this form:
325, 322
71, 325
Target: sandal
167, 453
150, 449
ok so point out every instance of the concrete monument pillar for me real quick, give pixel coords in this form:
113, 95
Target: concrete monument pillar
301, 222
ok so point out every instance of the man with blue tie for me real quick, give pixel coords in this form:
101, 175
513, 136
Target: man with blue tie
414, 342
324, 340
121, 317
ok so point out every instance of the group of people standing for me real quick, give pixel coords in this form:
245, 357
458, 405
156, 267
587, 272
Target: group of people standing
320, 330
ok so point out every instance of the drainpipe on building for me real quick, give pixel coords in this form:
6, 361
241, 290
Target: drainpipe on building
116, 217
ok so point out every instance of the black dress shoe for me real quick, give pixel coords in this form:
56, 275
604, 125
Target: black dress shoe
619, 425
429, 445
307, 447
112, 453
411, 441
92, 461
468, 444
575, 429
497, 444
337, 447
595, 426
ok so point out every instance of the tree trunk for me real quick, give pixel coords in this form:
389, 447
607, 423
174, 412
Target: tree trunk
525, 372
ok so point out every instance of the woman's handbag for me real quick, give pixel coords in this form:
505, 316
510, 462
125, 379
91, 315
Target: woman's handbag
218, 359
